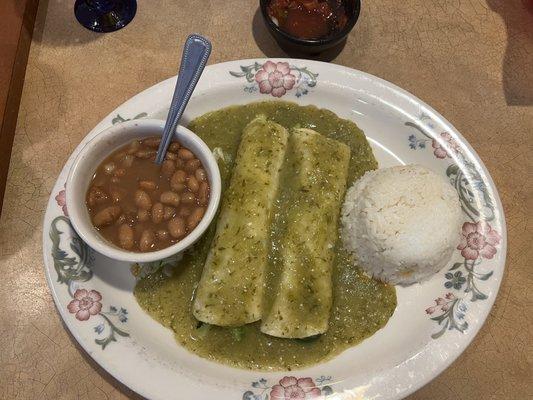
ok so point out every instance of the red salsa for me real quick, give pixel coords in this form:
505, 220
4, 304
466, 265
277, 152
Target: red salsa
308, 19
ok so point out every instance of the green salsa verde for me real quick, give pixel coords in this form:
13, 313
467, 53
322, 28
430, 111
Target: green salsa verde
361, 305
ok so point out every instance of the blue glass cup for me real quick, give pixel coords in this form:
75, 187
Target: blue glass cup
105, 15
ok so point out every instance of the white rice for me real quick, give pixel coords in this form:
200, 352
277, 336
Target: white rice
401, 224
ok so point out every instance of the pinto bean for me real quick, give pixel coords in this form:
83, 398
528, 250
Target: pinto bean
143, 200
203, 194
185, 154
152, 142
179, 176
195, 218
201, 175
125, 236
176, 227
145, 154
106, 216
157, 213
147, 185
180, 164
177, 182
170, 198
168, 167
192, 165
178, 187
147, 240
97, 195
192, 184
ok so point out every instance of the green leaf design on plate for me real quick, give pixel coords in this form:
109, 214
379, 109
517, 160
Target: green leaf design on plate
119, 119
69, 268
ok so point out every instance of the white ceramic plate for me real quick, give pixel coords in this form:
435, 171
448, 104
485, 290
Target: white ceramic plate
433, 323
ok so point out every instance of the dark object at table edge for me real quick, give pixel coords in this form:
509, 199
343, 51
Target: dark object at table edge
21, 27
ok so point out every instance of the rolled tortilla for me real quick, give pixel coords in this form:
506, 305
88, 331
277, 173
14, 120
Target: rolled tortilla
230, 290
303, 296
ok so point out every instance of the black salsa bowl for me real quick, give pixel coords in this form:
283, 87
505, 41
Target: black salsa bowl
311, 46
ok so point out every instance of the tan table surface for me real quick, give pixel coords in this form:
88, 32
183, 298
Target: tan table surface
470, 59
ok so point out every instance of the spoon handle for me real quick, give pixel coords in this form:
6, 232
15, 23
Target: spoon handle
193, 60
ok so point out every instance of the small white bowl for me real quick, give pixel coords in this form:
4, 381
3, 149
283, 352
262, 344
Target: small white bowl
103, 145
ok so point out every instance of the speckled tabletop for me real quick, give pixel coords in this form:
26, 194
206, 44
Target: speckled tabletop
472, 60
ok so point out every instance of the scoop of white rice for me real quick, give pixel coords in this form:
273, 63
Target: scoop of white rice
401, 224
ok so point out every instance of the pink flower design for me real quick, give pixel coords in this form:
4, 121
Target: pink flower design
478, 239
85, 304
62, 201
450, 296
441, 149
275, 78
441, 303
290, 388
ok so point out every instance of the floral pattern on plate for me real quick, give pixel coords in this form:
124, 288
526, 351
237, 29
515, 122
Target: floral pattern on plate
290, 388
73, 267
479, 241
276, 78
452, 314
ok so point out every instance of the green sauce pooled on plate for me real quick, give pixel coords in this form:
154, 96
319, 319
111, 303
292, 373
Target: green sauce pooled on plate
361, 305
